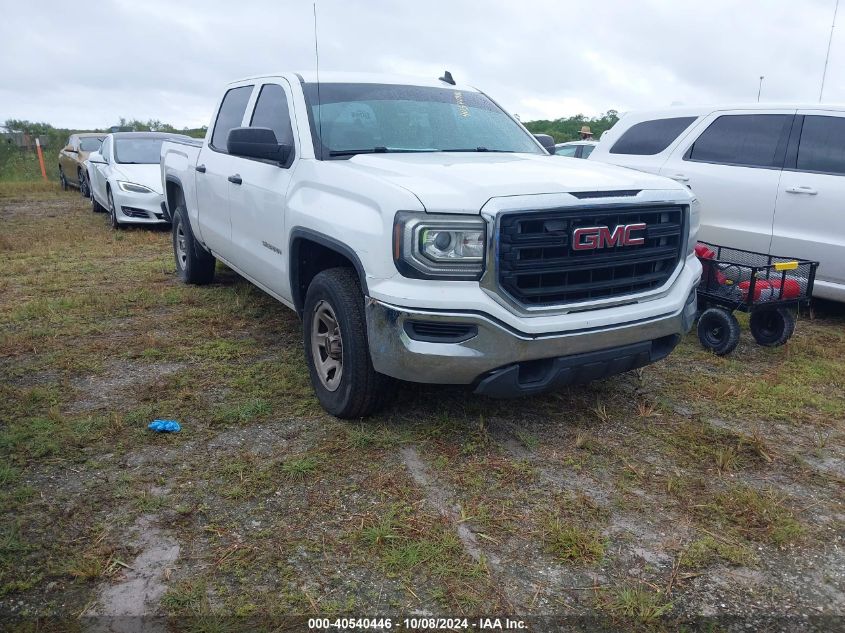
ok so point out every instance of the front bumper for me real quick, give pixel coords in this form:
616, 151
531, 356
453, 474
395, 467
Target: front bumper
140, 208
502, 361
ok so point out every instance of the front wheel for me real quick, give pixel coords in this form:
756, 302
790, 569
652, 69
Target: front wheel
113, 221
336, 346
194, 264
718, 331
772, 328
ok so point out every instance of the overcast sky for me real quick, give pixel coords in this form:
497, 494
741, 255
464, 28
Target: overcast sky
84, 65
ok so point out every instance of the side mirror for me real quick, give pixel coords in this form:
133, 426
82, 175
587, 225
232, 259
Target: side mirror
96, 158
257, 142
546, 141
69, 148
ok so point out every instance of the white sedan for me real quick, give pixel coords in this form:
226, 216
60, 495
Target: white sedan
126, 180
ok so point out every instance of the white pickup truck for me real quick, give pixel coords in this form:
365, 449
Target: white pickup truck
424, 234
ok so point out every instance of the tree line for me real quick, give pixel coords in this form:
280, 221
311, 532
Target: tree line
568, 129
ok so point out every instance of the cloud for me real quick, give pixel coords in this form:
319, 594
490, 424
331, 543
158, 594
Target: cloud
541, 58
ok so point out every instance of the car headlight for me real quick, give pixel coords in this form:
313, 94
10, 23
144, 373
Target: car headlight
131, 187
429, 246
694, 224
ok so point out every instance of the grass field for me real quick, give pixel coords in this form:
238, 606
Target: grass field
697, 487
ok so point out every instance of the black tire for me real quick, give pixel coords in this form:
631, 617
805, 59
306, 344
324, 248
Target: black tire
62, 179
194, 264
360, 390
772, 328
113, 221
718, 331
84, 190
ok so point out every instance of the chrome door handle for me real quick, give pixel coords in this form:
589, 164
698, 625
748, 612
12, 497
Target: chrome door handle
235, 179
802, 189
679, 177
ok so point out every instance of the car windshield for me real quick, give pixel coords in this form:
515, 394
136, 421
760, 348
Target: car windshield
378, 118
138, 151
90, 143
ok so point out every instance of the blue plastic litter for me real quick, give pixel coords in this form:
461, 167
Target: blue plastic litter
164, 426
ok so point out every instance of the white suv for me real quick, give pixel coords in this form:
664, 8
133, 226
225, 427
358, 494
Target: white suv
770, 178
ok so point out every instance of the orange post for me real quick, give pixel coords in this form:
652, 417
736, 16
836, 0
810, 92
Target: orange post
40, 158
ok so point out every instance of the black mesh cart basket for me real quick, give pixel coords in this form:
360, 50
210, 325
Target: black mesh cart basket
769, 288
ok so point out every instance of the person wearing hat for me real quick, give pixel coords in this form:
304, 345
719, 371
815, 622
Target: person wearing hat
586, 133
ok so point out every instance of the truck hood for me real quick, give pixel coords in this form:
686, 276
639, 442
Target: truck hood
147, 175
463, 183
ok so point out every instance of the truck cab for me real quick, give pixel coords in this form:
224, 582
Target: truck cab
422, 233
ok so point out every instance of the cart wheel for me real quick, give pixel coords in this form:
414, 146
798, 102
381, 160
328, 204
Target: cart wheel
718, 331
772, 328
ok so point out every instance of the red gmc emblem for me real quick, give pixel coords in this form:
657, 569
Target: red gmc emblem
590, 238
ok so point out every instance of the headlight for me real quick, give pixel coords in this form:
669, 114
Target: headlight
439, 246
694, 224
131, 187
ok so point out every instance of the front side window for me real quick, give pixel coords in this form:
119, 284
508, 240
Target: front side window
752, 140
587, 150
822, 146
138, 151
230, 115
350, 119
271, 111
106, 149
90, 144
651, 137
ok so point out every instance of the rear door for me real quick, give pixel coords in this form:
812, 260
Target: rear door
258, 202
214, 169
734, 166
810, 213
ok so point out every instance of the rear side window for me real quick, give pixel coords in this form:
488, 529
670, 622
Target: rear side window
230, 116
271, 110
822, 146
651, 137
752, 140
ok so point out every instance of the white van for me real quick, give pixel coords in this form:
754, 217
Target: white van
770, 178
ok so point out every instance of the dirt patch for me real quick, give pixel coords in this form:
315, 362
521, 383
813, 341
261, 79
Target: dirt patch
442, 501
139, 591
121, 381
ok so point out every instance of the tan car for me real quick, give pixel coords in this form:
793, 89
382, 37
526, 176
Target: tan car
72, 170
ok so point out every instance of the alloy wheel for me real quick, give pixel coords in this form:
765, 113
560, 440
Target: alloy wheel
327, 346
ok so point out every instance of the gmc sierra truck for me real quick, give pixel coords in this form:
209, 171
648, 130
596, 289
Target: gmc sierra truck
422, 233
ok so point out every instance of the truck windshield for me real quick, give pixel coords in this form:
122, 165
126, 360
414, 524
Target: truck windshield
137, 151
357, 118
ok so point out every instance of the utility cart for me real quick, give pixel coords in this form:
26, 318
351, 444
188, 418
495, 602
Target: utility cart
769, 288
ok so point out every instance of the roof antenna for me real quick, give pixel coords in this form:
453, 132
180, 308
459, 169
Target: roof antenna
319, 103
447, 78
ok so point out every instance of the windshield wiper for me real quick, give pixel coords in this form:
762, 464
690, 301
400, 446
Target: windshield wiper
379, 150
479, 149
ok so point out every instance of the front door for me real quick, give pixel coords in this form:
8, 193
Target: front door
734, 168
810, 214
257, 204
